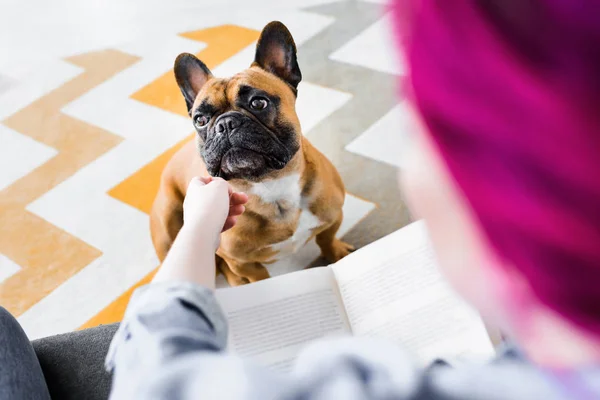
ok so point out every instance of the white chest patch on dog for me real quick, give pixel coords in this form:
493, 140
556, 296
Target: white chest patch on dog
306, 223
286, 191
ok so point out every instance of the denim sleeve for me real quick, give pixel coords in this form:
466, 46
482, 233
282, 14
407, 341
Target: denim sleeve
171, 345
164, 321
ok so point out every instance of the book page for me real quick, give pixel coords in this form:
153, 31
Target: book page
392, 289
271, 320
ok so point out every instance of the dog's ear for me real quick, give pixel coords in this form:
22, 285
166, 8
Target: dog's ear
276, 53
191, 74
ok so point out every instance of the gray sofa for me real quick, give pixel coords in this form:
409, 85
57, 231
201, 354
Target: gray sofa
73, 363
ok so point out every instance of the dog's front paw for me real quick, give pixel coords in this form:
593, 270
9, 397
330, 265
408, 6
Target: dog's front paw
337, 250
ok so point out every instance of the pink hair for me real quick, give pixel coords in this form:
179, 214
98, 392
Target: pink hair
510, 93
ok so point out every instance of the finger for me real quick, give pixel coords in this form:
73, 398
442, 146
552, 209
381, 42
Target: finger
215, 180
238, 198
205, 179
220, 184
236, 210
229, 223
196, 181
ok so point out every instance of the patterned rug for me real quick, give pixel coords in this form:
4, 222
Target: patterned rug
88, 122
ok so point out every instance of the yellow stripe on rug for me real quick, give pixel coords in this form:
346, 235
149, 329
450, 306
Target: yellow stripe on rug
48, 255
139, 189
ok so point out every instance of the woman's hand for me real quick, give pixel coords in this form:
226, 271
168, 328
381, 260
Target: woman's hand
212, 206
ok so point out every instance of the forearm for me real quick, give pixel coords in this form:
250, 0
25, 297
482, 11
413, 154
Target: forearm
191, 258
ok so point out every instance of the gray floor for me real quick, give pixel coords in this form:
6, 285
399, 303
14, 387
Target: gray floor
374, 95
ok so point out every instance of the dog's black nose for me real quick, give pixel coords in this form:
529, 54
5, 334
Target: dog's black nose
226, 124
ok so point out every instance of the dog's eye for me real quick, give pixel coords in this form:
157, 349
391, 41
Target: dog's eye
258, 103
201, 120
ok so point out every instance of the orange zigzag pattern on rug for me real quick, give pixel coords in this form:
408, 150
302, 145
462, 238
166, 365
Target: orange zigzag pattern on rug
48, 255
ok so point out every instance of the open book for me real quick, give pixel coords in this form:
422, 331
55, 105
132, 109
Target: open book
390, 289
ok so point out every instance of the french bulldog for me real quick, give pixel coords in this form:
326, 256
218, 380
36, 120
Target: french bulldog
248, 133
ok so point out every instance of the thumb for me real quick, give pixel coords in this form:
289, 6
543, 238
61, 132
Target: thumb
220, 187
205, 179
197, 182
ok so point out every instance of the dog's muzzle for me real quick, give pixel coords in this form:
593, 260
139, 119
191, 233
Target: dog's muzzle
238, 146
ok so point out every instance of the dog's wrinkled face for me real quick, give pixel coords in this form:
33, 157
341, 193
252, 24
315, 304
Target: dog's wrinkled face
247, 124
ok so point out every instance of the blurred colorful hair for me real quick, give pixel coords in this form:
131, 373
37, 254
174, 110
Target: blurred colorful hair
510, 92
